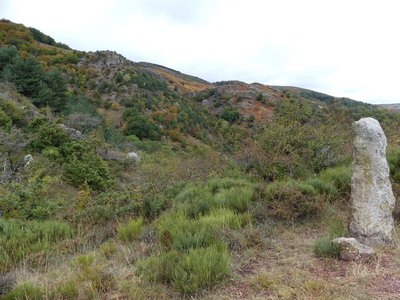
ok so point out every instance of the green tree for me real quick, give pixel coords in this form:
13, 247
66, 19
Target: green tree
138, 125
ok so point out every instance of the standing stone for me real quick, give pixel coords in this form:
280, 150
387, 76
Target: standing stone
371, 191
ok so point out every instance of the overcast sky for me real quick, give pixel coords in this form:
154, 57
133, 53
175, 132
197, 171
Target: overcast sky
346, 48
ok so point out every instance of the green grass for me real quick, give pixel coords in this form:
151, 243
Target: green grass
25, 291
223, 217
201, 268
18, 239
178, 232
130, 231
324, 247
188, 272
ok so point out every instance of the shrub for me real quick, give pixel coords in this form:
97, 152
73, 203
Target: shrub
194, 201
90, 168
188, 273
234, 194
323, 187
49, 135
140, 126
5, 121
178, 232
51, 153
292, 200
25, 291
340, 177
237, 198
230, 114
154, 206
201, 268
158, 268
130, 231
326, 248
222, 217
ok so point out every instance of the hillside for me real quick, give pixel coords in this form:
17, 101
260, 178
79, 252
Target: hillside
130, 180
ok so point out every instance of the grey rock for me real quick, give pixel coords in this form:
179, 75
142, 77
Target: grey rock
27, 160
74, 133
353, 250
108, 154
133, 156
371, 191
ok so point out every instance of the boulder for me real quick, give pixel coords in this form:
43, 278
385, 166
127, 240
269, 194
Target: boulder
371, 191
353, 250
133, 156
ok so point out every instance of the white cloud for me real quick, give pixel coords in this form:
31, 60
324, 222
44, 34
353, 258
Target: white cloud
344, 48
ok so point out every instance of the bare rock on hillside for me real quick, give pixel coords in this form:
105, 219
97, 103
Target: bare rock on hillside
371, 191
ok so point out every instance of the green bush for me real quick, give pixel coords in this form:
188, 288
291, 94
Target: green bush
237, 198
130, 231
292, 200
194, 201
197, 199
230, 114
49, 135
222, 217
158, 268
140, 126
340, 177
190, 272
51, 153
326, 248
87, 167
201, 268
178, 232
30, 200
5, 121
26, 291
154, 206
97, 214
323, 187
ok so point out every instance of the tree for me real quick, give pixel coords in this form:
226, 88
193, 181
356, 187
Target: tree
7, 55
138, 125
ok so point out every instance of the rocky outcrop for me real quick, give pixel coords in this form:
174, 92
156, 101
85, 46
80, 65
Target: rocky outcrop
352, 250
73, 133
371, 191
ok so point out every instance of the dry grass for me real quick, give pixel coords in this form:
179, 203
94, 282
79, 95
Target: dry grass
286, 268
281, 265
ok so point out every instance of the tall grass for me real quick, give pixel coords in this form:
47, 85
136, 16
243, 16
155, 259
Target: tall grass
194, 256
18, 239
188, 272
131, 230
25, 291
